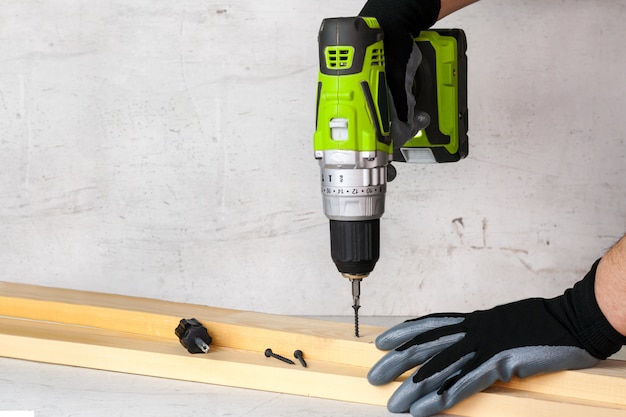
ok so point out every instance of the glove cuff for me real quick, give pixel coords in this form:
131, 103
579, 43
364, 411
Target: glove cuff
589, 324
412, 16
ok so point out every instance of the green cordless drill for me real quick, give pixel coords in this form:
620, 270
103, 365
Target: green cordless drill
352, 139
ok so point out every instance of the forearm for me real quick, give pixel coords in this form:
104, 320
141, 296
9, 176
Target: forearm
610, 286
451, 6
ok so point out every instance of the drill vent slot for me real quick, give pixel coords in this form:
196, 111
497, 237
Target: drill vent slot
339, 57
378, 57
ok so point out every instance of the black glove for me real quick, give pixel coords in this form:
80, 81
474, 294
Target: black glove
401, 21
465, 353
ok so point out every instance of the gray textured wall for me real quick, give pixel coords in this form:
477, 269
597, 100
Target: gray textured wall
164, 149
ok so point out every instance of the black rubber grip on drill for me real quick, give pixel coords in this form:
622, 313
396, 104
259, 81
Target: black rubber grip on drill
355, 245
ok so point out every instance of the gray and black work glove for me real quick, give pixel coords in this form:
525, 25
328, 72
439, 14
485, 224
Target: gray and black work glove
401, 21
465, 353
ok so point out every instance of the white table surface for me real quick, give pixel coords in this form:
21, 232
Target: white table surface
55, 390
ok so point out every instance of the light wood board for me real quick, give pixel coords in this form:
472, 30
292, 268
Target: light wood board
135, 335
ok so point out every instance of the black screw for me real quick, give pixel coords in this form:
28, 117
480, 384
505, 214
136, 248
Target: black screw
268, 353
299, 356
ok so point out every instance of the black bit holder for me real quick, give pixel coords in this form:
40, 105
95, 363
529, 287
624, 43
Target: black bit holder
193, 336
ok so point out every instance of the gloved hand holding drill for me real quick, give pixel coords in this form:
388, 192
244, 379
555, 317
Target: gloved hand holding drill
462, 354
401, 21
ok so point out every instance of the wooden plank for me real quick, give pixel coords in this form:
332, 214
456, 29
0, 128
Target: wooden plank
154, 356
323, 341
605, 382
319, 339
145, 355
499, 402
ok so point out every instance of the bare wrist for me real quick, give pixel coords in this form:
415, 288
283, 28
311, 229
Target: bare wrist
610, 286
451, 6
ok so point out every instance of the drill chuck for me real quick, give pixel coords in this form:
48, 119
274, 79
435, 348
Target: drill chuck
355, 246
353, 193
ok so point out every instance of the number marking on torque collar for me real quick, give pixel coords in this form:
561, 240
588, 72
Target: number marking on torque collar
353, 190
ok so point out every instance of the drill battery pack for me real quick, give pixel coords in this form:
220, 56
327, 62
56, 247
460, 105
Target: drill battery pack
440, 89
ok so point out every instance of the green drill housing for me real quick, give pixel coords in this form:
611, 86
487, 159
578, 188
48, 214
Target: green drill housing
352, 101
440, 90
352, 92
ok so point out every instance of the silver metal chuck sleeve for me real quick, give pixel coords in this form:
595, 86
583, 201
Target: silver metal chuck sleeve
353, 191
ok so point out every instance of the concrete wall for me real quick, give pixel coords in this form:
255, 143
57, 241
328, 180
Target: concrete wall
164, 149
